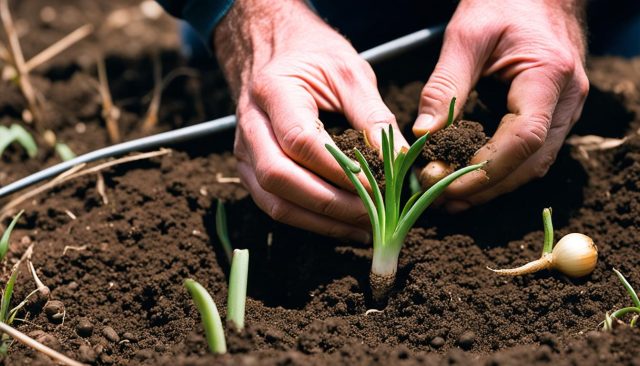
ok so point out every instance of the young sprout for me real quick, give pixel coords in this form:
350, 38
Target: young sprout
211, 322
237, 297
4, 241
64, 151
608, 321
17, 133
236, 300
390, 223
221, 230
110, 113
575, 255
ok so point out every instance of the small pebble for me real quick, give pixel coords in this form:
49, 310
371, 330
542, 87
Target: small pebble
54, 309
437, 342
46, 339
130, 336
110, 334
87, 354
466, 339
84, 328
143, 354
72, 286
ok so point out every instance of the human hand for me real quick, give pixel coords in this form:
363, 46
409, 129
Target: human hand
283, 64
539, 47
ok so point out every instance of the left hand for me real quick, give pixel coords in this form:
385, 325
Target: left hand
538, 46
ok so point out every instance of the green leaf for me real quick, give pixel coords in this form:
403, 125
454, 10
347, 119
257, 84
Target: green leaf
4, 241
8, 293
452, 107
548, 231
64, 151
6, 138
221, 230
343, 159
210, 317
25, 139
237, 297
412, 200
377, 195
627, 286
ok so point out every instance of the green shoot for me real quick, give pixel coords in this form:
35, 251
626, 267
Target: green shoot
64, 151
7, 316
452, 107
211, 322
237, 297
221, 230
390, 223
548, 231
608, 321
4, 241
17, 133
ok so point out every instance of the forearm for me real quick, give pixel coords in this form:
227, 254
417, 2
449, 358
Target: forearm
252, 31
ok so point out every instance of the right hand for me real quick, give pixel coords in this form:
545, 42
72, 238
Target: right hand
283, 65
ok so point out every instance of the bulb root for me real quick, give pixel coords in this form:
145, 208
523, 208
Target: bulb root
545, 262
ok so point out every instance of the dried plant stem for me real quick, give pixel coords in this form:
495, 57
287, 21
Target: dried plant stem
151, 118
56, 48
74, 173
110, 113
32, 343
18, 60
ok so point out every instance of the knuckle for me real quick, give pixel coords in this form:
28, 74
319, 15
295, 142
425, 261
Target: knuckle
543, 166
583, 86
440, 87
533, 133
269, 177
298, 142
278, 211
328, 207
562, 64
261, 85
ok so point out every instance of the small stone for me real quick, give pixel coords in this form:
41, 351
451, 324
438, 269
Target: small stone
72, 286
437, 342
466, 339
86, 354
143, 354
84, 328
54, 309
110, 334
130, 336
46, 339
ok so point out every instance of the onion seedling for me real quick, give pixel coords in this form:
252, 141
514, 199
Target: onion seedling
436, 170
64, 151
575, 255
608, 321
17, 133
391, 224
4, 241
221, 230
236, 301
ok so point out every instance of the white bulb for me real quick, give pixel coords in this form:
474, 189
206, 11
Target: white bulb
575, 255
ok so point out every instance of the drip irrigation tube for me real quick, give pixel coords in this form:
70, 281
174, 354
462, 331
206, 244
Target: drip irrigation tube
376, 54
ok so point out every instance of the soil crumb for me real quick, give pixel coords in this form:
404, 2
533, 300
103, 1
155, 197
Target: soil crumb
456, 144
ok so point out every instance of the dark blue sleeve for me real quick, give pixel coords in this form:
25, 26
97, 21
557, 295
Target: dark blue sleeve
202, 15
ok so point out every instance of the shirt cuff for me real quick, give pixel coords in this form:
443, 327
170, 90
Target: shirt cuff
204, 15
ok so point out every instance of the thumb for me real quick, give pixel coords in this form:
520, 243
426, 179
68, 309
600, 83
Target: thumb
364, 108
457, 70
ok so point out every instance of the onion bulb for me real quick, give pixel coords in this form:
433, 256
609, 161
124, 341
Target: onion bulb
433, 173
575, 255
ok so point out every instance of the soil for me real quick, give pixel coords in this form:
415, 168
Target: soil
118, 267
456, 144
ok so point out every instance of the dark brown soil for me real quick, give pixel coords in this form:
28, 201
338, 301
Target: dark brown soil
351, 139
118, 268
455, 144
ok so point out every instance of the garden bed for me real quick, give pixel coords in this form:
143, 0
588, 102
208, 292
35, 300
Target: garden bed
121, 264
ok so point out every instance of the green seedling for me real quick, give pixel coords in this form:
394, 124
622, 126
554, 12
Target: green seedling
4, 241
221, 230
389, 222
236, 300
17, 133
575, 255
64, 151
608, 321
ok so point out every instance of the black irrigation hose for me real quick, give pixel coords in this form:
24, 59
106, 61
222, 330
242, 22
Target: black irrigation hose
376, 54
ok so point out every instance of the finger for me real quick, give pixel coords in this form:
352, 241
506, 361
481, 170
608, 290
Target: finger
458, 69
286, 212
363, 106
277, 174
536, 166
293, 113
532, 99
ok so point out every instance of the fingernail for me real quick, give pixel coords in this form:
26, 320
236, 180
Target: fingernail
361, 236
424, 123
455, 207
